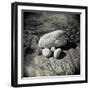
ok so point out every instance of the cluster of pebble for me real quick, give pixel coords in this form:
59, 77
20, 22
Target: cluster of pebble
51, 52
52, 42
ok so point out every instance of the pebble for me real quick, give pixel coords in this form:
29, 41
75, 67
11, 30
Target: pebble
52, 49
57, 53
46, 52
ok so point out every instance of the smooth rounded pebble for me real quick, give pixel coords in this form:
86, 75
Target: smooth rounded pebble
52, 49
46, 52
50, 39
57, 53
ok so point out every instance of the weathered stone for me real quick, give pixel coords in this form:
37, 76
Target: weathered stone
75, 56
56, 66
67, 65
61, 41
53, 39
42, 63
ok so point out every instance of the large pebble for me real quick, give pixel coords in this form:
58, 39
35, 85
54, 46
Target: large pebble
46, 52
57, 53
53, 39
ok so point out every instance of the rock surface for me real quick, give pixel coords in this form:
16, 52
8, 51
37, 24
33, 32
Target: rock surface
67, 64
53, 39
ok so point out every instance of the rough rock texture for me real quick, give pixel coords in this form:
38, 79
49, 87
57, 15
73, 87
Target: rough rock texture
53, 39
67, 64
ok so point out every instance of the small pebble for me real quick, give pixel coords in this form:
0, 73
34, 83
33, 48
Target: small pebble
46, 52
52, 49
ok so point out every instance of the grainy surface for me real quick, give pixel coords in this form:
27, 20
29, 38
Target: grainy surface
67, 65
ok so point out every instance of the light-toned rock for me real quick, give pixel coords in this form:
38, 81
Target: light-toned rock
53, 39
46, 52
61, 41
52, 49
57, 53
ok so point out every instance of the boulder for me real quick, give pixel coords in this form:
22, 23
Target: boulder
53, 39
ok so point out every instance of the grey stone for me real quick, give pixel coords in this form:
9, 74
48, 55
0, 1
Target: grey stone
46, 52
57, 53
53, 39
67, 65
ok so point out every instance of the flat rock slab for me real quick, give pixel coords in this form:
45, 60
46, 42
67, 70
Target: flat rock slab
68, 64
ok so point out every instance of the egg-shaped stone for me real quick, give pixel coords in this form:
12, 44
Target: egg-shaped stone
46, 52
57, 53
